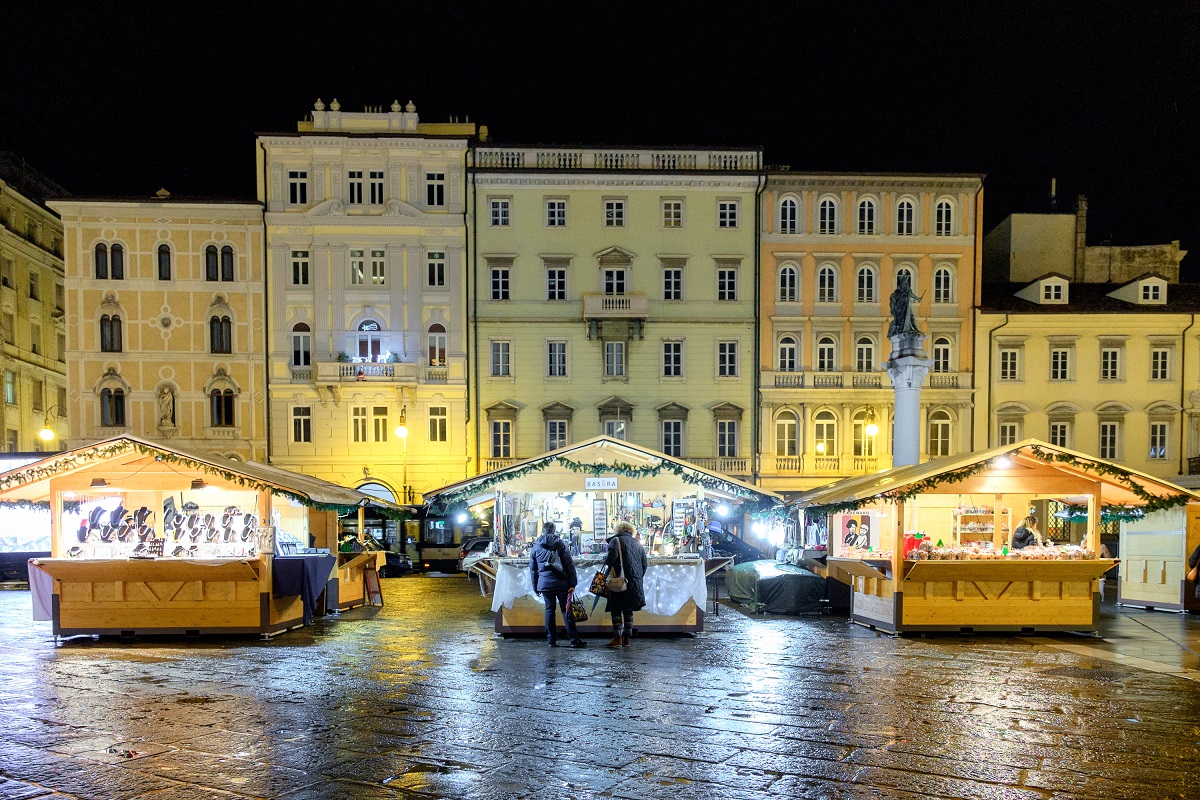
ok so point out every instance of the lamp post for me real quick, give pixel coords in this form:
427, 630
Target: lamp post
402, 432
47, 434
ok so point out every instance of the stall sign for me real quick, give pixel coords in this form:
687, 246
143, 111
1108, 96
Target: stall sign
683, 517
858, 529
594, 484
599, 516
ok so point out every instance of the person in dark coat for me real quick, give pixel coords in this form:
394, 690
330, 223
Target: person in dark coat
553, 585
626, 556
1026, 534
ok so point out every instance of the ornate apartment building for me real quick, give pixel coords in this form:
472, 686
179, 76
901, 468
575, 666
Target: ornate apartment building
165, 333
612, 290
832, 248
365, 229
32, 303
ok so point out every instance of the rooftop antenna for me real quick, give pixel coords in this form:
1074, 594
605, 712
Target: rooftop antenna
1054, 195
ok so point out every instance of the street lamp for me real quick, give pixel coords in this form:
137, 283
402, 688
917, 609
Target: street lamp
47, 433
871, 428
402, 432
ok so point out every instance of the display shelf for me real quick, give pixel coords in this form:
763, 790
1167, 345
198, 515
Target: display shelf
1014, 570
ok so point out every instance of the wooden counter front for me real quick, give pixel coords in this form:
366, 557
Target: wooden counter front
872, 590
352, 588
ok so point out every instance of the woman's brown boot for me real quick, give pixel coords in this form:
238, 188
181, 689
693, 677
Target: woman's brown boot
625, 640
615, 641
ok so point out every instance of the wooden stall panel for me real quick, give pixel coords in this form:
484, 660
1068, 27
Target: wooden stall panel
1151, 568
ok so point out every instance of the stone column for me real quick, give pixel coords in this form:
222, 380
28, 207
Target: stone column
907, 367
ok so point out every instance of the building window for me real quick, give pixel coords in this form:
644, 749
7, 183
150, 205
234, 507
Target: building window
671, 434
862, 441
1151, 292
866, 285
614, 281
7, 271
943, 286
1010, 364
297, 187
556, 359
358, 418
500, 283
944, 218
941, 354
10, 440
826, 285
1110, 436
221, 405
227, 263
61, 340
727, 214
614, 359
864, 355
787, 354
904, 218
825, 434
1060, 434
614, 213
378, 268
672, 213
356, 187
164, 262
299, 268
501, 438
438, 424
35, 338
672, 283
302, 424
556, 434
10, 387
435, 269
501, 363
1052, 291
112, 408
379, 423
556, 213
1110, 363
301, 345
117, 270
556, 283
727, 438
672, 365
1060, 364
826, 355
220, 335
827, 216
110, 334
37, 395
376, 185
866, 217
788, 215
500, 213
616, 428
212, 270
1158, 440
1007, 433
1160, 364
727, 359
727, 284
34, 292
369, 340
10, 328
435, 189
786, 439
939, 434
358, 268
788, 285
101, 262
436, 341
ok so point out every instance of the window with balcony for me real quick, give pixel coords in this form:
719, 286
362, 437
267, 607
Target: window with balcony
866, 217
368, 341
788, 351
435, 189
300, 268
863, 431
826, 354
502, 438
438, 424
789, 291
302, 424
864, 355
786, 438
35, 338
825, 433
301, 345
788, 215
727, 438
435, 269
436, 344
297, 187
614, 281
939, 433
941, 354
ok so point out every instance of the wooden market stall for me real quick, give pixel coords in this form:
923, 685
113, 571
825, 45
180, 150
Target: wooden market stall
586, 489
1154, 551
925, 547
148, 538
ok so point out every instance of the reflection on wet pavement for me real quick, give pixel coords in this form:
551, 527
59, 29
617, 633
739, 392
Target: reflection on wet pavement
419, 699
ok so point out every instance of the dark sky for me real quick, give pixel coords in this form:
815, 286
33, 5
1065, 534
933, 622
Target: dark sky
1101, 95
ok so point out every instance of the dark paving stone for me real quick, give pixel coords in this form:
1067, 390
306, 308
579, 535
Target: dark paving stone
19, 790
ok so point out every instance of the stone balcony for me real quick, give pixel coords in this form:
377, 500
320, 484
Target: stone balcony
726, 466
857, 380
331, 372
610, 160
615, 306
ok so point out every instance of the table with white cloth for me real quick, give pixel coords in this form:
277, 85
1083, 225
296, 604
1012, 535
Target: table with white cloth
674, 586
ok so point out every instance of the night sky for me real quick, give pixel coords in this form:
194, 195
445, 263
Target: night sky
1103, 96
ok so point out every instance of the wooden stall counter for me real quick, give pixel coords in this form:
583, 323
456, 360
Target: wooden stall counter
352, 584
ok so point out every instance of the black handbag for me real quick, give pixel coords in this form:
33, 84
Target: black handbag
555, 563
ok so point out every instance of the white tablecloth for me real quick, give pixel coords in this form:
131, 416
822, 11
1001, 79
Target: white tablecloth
669, 583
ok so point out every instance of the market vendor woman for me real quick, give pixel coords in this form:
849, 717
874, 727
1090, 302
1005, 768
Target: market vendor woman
1026, 534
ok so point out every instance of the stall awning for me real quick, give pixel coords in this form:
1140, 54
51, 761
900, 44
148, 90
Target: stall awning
132, 460
636, 468
1033, 467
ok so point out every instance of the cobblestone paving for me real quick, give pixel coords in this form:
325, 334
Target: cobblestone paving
420, 700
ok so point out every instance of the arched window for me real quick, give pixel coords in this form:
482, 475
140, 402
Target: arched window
904, 218
864, 355
110, 334
164, 262
101, 259
944, 219
866, 285
227, 263
369, 341
221, 403
220, 334
788, 292
301, 345
943, 286
787, 354
941, 354
437, 345
825, 434
939, 434
211, 271
112, 408
786, 438
117, 270
788, 215
827, 220
912, 277
826, 285
826, 354
865, 430
866, 217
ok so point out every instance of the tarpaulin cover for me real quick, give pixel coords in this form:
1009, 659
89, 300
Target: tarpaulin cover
775, 587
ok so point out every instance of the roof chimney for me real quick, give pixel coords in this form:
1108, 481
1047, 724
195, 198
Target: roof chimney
1054, 195
1080, 237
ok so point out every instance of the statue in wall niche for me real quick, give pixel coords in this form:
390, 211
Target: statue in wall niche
166, 408
903, 318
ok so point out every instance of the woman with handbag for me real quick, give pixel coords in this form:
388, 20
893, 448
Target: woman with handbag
552, 573
627, 565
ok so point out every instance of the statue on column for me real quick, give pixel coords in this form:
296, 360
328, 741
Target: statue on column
166, 408
903, 318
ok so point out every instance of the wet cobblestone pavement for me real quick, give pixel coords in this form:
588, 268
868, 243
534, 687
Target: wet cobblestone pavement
419, 700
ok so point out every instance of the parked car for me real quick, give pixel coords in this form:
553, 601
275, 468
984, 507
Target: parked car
396, 564
472, 550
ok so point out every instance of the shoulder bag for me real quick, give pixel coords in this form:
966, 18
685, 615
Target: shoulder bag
554, 561
575, 607
616, 581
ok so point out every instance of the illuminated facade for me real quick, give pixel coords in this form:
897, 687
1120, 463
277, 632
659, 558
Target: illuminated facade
832, 248
31, 310
365, 251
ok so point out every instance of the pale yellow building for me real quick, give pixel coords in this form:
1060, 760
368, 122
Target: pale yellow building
832, 248
165, 334
612, 291
31, 309
366, 253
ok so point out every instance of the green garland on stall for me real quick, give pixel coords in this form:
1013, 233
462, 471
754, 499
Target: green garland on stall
39, 505
1108, 513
